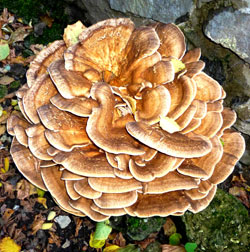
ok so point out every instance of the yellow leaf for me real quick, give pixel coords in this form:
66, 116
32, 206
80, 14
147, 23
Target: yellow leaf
169, 124
178, 65
72, 32
42, 201
8, 245
112, 248
95, 243
47, 225
6, 165
51, 215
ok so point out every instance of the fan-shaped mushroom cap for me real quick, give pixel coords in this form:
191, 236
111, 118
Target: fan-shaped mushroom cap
171, 182
85, 190
201, 192
192, 56
99, 126
194, 124
84, 205
110, 212
37, 142
27, 164
22, 91
216, 106
16, 127
199, 205
85, 162
38, 95
39, 66
160, 73
229, 118
70, 84
172, 40
182, 93
210, 124
161, 205
201, 109
233, 149
64, 130
52, 180
67, 175
155, 103
69, 185
114, 185
80, 106
159, 166
208, 89
203, 167
105, 53
175, 144
116, 200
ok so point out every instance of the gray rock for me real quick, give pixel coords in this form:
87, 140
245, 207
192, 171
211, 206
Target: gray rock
231, 29
140, 11
63, 221
160, 10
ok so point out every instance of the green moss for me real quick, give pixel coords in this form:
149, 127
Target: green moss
223, 226
137, 228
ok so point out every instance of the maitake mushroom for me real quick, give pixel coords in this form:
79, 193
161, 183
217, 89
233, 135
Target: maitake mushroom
124, 122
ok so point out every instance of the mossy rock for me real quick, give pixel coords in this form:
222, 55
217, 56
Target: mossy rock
223, 226
137, 228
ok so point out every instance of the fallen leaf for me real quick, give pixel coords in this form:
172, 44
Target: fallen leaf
37, 223
20, 34
175, 239
54, 239
6, 80
4, 50
47, 20
102, 230
42, 201
72, 32
93, 243
47, 225
119, 240
79, 222
7, 214
190, 246
169, 227
9, 245
111, 248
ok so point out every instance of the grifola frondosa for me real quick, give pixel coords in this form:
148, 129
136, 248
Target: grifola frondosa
123, 121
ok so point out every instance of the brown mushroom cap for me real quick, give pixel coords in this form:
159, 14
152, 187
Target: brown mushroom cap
233, 149
39, 66
64, 130
116, 200
155, 103
38, 95
27, 164
162, 205
99, 126
123, 122
70, 84
85, 162
175, 144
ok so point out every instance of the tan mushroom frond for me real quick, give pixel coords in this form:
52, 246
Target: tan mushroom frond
99, 126
172, 40
233, 149
39, 66
27, 164
175, 144
119, 120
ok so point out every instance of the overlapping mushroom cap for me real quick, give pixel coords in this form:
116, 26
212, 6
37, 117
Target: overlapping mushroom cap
123, 121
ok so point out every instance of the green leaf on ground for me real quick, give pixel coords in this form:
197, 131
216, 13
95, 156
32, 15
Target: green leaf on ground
175, 239
129, 248
103, 229
3, 91
4, 51
190, 246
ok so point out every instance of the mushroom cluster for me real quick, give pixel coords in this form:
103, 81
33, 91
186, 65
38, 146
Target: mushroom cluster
122, 121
